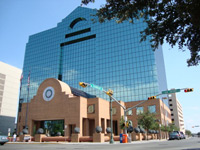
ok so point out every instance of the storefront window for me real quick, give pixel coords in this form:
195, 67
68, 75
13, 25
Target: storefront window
52, 127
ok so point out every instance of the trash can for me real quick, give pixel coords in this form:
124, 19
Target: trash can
121, 138
124, 138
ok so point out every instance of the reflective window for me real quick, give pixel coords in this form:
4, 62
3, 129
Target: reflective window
139, 110
107, 54
130, 112
152, 109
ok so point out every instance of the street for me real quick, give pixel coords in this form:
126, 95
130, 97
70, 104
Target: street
188, 144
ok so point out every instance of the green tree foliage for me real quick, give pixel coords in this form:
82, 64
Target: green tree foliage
176, 21
147, 121
188, 132
155, 126
169, 128
172, 127
164, 128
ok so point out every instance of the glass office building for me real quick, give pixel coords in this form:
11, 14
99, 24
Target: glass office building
106, 54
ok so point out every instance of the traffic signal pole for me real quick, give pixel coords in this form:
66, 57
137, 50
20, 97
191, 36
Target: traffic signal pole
110, 93
111, 122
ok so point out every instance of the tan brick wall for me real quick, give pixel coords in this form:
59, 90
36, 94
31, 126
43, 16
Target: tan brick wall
74, 110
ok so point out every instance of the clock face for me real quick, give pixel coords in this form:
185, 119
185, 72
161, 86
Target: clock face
91, 109
48, 93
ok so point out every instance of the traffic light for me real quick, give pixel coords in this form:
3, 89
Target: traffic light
152, 97
109, 92
83, 84
188, 90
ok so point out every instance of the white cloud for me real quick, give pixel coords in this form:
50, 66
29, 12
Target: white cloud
70, 74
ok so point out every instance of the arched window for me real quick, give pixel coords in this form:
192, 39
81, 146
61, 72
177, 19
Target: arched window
75, 21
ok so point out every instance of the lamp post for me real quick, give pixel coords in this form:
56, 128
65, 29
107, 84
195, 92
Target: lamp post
111, 122
160, 131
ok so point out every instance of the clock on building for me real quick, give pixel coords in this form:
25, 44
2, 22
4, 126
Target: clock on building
91, 109
48, 93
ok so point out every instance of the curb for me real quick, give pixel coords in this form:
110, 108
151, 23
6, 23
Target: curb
90, 143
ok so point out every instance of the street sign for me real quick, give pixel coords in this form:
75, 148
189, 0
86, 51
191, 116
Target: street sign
96, 87
171, 91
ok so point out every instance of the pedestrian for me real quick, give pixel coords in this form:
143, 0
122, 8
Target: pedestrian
14, 137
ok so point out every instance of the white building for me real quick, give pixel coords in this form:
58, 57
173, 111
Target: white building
9, 95
176, 112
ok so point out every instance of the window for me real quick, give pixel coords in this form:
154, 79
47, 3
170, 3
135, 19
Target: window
170, 104
76, 21
172, 114
130, 112
78, 40
152, 109
2, 76
139, 110
166, 113
171, 109
170, 99
114, 111
167, 122
77, 32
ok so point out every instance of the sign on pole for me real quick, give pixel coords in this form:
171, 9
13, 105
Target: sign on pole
96, 87
171, 91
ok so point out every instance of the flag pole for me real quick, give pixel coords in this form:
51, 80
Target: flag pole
19, 103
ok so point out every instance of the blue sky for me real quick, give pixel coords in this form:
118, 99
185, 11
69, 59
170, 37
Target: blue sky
21, 18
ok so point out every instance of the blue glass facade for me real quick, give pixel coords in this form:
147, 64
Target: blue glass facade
109, 55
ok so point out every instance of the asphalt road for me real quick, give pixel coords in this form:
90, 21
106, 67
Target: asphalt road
188, 144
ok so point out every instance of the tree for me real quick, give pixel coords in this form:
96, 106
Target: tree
155, 126
188, 132
147, 121
176, 21
172, 127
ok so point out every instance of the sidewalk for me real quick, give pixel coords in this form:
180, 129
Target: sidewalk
85, 143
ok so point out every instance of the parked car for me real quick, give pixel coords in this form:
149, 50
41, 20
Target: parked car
182, 135
174, 135
3, 139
